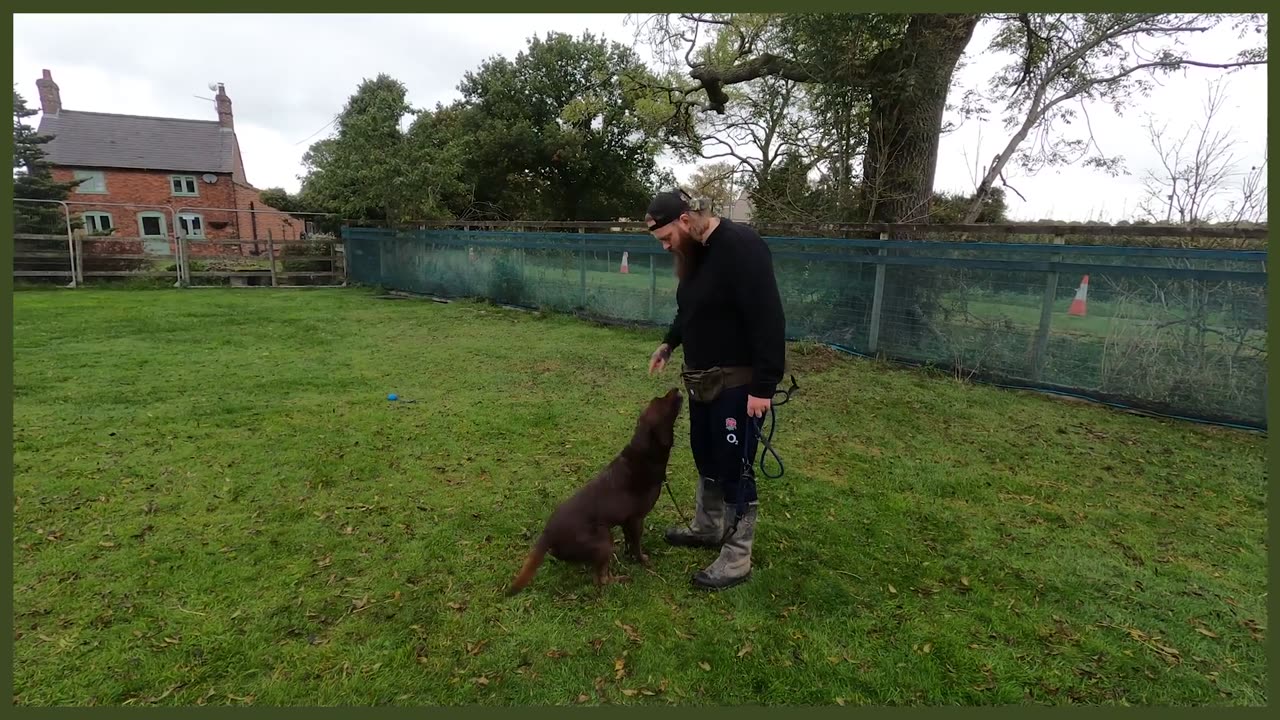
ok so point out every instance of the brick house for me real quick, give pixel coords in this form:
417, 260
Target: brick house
130, 162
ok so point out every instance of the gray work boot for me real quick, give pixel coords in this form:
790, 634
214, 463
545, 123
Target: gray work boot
734, 564
708, 518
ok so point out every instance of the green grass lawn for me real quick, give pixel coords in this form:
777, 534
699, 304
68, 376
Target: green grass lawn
215, 504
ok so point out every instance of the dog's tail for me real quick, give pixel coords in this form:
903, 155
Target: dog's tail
531, 564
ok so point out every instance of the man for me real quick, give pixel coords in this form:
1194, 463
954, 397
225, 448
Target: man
729, 319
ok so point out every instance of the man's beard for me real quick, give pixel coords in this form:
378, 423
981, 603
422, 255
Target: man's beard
689, 253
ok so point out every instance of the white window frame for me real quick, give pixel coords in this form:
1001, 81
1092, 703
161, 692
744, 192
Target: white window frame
185, 180
186, 216
96, 214
164, 225
90, 175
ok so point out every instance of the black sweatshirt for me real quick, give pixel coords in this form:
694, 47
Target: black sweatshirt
729, 313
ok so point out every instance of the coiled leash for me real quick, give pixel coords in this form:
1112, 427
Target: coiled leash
756, 425
767, 442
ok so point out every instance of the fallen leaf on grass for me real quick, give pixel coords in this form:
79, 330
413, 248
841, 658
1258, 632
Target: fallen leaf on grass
893, 590
840, 702
583, 698
107, 544
457, 606
556, 654
631, 632
619, 668
1206, 632
1170, 655
705, 666
745, 649
482, 681
629, 692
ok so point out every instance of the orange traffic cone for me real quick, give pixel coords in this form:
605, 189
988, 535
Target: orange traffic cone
1078, 303
624, 269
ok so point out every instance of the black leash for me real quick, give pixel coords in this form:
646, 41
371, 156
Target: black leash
767, 442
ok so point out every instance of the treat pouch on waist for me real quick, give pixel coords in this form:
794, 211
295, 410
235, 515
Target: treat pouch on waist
705, 386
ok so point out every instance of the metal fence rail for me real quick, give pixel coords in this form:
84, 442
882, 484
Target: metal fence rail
1167, 329
180, 248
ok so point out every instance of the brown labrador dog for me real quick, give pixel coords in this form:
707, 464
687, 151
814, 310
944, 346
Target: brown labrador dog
581, 528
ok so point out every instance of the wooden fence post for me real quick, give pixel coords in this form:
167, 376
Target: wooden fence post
582, 268
877, 302
271, 256
77, 262
653, 288
1040, 352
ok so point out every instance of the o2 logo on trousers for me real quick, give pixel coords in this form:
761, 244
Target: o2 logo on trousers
730, 427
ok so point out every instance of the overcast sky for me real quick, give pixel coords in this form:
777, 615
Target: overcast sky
292, 73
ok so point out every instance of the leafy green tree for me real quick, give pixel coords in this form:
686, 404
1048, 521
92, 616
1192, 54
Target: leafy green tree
371, 169
32, 179
559, 132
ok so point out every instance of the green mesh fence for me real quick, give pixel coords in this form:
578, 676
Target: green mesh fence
1169, 330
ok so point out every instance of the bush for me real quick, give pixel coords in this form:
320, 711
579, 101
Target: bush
506, 281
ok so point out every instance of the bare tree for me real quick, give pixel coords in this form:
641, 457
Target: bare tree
768, 119
1062, 61
1195, 182
1251, 205
719, 182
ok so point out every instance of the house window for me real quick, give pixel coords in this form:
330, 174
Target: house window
183, 184
94, 182
97, 223
151, 224
191, 225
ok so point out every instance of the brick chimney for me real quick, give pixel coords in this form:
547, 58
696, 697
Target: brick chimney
50, 96
225, 118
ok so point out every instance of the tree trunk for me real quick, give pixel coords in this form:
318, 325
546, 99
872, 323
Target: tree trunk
905, 123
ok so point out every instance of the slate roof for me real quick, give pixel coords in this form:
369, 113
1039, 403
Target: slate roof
90, 139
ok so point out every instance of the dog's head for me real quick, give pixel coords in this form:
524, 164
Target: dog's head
656, 427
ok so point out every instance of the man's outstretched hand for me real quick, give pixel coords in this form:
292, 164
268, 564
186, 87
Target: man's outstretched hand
659, 359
